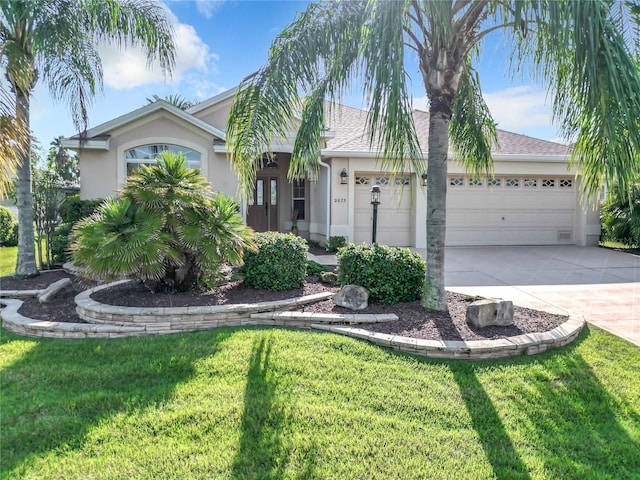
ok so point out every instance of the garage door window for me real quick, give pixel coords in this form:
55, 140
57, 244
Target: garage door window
382, 180
513, 182
530, 182
548, 183
362, 180
456, 181
475, 182
494, 182
566, 183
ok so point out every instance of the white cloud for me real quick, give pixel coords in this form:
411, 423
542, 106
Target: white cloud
208, 7
518, 108
128, 68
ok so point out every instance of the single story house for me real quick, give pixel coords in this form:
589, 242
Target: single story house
533, 198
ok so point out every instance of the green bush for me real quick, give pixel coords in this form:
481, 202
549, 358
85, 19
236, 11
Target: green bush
74, 209
390, 274
8, 228
315, 268
280, 263
335, 243
60, 242
620, 216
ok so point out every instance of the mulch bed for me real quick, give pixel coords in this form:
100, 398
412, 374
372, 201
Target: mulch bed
414, 321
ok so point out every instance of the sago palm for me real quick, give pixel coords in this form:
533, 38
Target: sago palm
575, 46
56, 41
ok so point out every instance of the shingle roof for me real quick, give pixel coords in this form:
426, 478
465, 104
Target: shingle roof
351, 135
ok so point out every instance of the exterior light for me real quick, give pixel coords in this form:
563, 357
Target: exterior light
344, 177
375, 195
424, 179
375, 201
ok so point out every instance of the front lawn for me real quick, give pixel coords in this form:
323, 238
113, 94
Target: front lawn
275, 403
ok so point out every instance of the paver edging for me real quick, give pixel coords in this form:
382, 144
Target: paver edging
184, 319
525, 344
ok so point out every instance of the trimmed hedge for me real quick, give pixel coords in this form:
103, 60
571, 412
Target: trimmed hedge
391, 274
280, 263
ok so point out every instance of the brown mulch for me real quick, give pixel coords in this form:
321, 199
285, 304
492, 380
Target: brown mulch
414, 320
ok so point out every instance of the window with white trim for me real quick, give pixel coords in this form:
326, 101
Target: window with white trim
147, 154
298, 191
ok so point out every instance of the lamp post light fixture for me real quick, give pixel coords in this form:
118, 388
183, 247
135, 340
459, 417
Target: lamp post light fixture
375, 201
424, 179
344, 177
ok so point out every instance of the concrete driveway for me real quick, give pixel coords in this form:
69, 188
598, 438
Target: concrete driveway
601, 285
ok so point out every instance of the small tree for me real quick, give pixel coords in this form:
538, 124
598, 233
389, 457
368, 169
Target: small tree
166, 230
47, 199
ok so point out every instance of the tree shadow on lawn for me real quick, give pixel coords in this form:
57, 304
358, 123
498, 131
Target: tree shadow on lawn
568, 416
60, 388
263, 450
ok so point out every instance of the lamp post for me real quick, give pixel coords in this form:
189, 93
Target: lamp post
375, 201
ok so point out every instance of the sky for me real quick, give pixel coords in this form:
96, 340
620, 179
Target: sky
221, 42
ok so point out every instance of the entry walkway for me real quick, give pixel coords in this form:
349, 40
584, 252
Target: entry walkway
601, 285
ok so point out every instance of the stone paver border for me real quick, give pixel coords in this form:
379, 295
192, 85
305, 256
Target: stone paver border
525, 344
109, 321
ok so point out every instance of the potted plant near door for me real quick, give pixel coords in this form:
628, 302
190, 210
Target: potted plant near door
294, 222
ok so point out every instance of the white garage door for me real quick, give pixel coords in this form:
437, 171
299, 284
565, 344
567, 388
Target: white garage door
394, 211
510, 210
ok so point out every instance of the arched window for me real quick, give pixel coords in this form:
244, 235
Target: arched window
146, 155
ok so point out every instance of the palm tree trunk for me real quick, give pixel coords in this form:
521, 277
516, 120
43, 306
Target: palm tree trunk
434, 296
26, 262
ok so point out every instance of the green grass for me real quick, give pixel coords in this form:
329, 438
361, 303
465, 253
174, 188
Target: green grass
8, 257
275, 403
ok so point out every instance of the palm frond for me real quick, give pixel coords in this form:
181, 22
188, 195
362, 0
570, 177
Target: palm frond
472, 128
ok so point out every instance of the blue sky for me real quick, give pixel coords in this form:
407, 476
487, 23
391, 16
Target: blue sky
220, 42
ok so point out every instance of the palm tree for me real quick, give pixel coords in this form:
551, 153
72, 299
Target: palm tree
174, 99
56, 41
165, 230
575, 46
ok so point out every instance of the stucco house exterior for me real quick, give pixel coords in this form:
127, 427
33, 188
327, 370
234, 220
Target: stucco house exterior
533, 198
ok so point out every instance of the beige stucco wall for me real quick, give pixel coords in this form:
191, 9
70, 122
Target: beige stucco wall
103, 172
217, 114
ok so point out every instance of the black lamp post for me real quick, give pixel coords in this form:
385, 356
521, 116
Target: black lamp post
375, 201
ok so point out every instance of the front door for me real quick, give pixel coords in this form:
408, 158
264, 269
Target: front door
262, 212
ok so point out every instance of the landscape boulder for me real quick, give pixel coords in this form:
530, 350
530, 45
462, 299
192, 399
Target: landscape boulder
490, 311
329, 277
353, 297
54, 290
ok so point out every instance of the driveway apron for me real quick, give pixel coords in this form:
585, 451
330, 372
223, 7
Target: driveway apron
601, 285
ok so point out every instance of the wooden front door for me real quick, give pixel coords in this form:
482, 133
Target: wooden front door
262, 212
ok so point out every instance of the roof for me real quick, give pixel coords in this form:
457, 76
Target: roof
100, 131
351, 135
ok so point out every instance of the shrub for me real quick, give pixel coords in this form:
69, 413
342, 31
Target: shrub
390, 274
8, 228
335, 243
315, 268
165, 230
74, 209
279, 263
60, 242
620, 216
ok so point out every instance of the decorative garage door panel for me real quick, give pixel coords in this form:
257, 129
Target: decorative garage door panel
510, 211
394, 211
